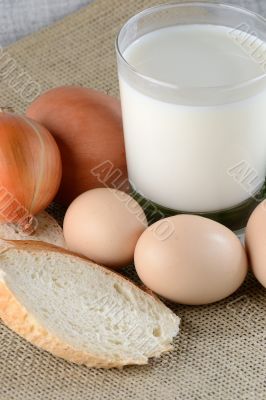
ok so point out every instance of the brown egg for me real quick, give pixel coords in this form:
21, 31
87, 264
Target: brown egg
190, 259
87, 126
256, 242
104, 225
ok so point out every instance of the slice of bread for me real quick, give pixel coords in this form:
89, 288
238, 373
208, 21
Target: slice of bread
77, 310
48, 230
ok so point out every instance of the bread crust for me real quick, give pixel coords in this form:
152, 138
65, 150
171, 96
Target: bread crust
16, 317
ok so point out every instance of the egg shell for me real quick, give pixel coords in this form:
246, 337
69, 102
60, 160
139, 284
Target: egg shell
104, 225
256, 242
190, 259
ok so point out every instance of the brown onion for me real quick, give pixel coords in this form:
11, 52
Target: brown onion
30, 169
87, 126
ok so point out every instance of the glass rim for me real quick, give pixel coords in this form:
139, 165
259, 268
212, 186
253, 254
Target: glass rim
172, 86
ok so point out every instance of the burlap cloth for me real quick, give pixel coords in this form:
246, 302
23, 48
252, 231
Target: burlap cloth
220, 353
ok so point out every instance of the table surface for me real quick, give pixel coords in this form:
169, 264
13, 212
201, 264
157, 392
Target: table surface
19, 18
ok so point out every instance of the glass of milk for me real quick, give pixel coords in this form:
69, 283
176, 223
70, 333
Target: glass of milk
193, 92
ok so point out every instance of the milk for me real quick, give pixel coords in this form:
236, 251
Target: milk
187, 156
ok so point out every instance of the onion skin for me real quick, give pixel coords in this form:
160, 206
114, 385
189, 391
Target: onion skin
30, 168
87, 126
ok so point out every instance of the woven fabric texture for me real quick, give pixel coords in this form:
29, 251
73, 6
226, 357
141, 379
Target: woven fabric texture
220, 352
19, 18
